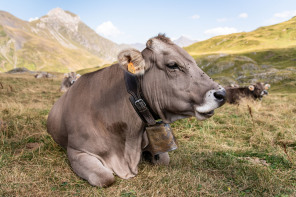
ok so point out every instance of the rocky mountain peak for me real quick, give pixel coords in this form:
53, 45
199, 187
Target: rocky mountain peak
57, 17
184, 41
62, 15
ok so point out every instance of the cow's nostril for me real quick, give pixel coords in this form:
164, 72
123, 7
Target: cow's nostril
220, 95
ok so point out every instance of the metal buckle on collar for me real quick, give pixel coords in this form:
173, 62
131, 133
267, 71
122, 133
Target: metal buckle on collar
140, 104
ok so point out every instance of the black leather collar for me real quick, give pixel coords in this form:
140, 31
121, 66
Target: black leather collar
140, 105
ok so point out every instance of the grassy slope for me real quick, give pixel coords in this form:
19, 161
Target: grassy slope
277, 67
267, 54
40, 52
43, 54
222, 156
282, 35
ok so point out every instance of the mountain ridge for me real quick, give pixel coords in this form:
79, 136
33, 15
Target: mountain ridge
267, 54
183, 41
281, 35
52, 43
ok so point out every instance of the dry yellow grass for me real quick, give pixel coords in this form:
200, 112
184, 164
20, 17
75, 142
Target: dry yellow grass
231, 154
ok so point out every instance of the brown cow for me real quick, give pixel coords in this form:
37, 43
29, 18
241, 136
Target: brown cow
68, 81
97, 124
255, 91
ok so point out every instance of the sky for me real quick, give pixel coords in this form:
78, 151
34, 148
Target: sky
135, 21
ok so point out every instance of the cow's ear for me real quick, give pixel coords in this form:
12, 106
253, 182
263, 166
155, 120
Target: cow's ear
251, 88
132, 61
267, 86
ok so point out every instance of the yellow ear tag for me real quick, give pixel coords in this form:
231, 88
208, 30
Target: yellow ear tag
131, 68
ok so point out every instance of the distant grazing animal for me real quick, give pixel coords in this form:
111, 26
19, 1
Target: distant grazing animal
255, 91
97, 122
44, 75
68, 81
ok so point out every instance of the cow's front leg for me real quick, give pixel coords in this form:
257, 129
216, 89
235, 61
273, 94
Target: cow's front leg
159, 159
90, 168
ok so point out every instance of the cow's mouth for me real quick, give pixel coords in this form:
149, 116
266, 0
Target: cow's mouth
212, 100
204, 115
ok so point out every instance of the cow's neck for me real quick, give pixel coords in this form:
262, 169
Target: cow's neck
138, 101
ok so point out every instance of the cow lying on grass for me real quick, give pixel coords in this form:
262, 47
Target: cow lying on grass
256, 91
68, 81
99, 126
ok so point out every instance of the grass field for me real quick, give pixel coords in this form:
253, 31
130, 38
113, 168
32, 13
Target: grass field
245, 150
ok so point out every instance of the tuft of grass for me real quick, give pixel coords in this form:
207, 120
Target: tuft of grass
230, 154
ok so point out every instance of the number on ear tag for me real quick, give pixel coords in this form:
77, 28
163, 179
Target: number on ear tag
131, 68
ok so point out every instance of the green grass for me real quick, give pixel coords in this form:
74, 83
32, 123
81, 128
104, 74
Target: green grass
266, 54
279, 36
217, 157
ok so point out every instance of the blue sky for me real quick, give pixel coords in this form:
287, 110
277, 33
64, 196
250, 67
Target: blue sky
132, 21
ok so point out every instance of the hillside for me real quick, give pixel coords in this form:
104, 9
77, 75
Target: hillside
267, 54
282, 35
58, 41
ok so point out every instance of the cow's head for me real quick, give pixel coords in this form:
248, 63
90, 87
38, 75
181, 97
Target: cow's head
259, 90
71, 77
173, 85
69, 80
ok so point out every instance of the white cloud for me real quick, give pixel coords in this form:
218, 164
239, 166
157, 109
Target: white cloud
195, 16
285, 14
221, 31
221, 20
243, 15
33, 19
108, 29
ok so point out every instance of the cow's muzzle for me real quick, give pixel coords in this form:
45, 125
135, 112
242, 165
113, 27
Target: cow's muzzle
264, 92
212, 100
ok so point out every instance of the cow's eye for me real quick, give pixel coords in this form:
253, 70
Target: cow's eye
173, 65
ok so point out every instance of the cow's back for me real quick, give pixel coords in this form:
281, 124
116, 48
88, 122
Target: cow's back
233, 94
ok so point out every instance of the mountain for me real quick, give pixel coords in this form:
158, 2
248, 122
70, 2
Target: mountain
58, 41
267, 54
282, 35
184, 41
138, 46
